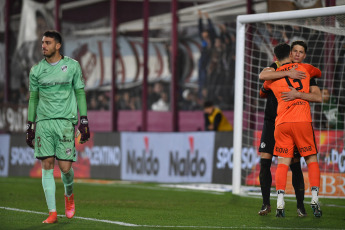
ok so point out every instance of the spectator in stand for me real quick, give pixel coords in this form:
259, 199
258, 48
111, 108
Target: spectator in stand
190, 101
93, 102
162, 104
154, 93
135, 102
218, 73
125, 102
103, 101
182, 59
331, 113
150, 96
228, 43
215, 119
207, 37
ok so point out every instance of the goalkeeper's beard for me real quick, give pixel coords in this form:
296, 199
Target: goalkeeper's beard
47, 55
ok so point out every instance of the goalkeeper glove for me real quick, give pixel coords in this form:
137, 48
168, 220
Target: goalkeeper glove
83, 130
30, 134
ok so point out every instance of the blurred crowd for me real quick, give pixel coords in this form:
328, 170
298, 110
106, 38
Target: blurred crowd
216, 68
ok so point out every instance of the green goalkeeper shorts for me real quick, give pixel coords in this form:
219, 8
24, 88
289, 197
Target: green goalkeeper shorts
55, 138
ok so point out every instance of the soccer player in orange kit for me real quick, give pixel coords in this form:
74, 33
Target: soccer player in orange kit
293, 128
267, 142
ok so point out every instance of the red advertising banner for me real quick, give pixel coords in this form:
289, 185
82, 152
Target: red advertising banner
100, 157
331, 184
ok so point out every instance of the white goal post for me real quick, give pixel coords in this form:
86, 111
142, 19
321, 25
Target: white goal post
242, 22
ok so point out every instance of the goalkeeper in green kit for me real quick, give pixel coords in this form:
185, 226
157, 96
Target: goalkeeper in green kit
56, 94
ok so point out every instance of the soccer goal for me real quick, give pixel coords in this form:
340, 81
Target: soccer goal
323, 30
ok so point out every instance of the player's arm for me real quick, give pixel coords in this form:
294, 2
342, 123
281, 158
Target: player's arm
33, 102
81, 101
265, 89
79, 91
200, 25
30, 127
32, 108
269, 73
314, 94
83, 128
313, 71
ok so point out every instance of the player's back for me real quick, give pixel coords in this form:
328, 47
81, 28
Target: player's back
297, 110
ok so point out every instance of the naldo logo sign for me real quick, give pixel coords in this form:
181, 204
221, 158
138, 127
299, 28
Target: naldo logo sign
167, 157
187, 164
144, 162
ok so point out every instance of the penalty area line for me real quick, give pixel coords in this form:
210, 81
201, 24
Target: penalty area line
153, 226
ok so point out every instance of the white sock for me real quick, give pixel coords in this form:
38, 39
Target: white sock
314, 194
280, 200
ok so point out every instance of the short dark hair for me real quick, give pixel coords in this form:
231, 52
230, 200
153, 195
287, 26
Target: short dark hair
53, 34
301, 43
282, 51
208, 104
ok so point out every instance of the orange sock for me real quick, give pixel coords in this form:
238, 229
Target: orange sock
281, 175
314, 174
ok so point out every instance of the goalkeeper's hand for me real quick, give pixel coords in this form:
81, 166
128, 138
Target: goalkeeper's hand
30, 134
83, 130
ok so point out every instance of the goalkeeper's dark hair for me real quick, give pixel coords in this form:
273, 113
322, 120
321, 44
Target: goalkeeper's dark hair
301, 43
282, 51
53, 34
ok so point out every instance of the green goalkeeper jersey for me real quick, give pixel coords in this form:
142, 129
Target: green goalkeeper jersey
55, 85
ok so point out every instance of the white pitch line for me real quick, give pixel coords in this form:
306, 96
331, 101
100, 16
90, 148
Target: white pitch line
156, 226
76, 217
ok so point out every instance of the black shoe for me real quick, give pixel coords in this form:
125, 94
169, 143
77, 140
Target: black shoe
265, 209
301, 212
280, 213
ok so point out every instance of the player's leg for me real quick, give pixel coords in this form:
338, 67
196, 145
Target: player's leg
306, 145
284, 149
298, 184
265, 178
314, 181
49, 188
67, 177
281, 177
44, 150
266, 153
65, 153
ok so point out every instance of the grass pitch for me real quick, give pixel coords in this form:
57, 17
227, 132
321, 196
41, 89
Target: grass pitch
150, 206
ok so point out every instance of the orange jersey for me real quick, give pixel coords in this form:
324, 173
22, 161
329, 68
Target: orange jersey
297, 110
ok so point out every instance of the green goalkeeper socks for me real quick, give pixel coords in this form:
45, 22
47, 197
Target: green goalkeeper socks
67, 179
49, 188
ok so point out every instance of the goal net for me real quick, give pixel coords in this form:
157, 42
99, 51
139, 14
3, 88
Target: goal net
323, 30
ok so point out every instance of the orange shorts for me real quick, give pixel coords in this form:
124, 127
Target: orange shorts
291, 134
